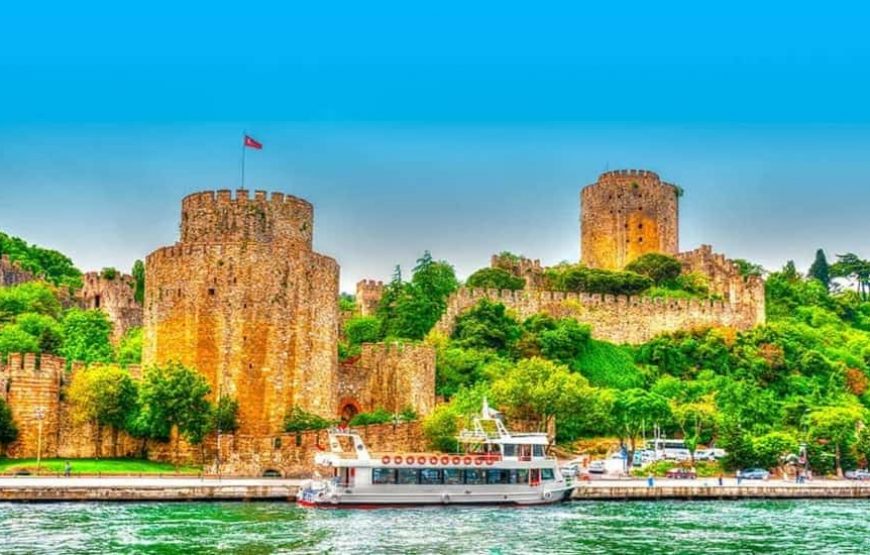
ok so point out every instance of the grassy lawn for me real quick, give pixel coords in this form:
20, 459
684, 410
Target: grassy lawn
94, 466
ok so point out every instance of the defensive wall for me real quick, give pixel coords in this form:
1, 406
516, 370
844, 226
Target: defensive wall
392, 376
12, 274
529, 270
113, 296
615, 318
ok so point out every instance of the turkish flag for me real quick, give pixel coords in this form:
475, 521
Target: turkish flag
250, 142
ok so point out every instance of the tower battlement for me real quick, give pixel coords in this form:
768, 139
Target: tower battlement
224, 216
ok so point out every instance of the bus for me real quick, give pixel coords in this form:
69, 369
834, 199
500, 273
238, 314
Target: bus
670, 449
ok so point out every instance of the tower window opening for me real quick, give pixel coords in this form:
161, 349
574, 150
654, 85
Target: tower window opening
640, 239
96, 301
640, 226
211, 291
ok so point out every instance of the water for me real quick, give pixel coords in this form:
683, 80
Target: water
779, 527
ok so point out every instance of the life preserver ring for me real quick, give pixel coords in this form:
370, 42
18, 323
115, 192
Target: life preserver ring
433, 460
445, 460
489, 461
457, 460
398, 459
421, 460
467, 460
478, 461
385, 459
548, 495
409, 460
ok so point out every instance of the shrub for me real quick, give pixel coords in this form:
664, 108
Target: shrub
495, 278
298, 420
378, 416
579, 278
362, 329
660, 268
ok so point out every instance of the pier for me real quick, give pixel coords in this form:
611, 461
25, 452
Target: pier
709, 488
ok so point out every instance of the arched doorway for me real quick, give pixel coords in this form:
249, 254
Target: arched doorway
348, 408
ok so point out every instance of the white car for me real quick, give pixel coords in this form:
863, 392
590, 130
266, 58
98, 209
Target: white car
597, 467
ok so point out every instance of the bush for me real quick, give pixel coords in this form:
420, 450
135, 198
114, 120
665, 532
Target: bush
109, 273
579, 278
362, 329
608, 365
34, 297
495, 278
298, 420
378, 416
660, 268
486, 326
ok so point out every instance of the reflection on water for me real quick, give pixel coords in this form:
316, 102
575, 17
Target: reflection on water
588, 527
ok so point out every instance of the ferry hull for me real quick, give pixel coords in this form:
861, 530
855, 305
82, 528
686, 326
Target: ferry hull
362, 499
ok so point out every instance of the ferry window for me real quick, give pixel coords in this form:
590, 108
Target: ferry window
547, 474
383, 475
497, 477
452, 476
430, 476
474, 476
407, 476
522, 476
509, 450
525, 452
539, 450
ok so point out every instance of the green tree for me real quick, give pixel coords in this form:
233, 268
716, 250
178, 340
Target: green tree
13, 339
130, 347
748, 269
836, 426
298, 420
566, 342
660, 268
175, 396
410, 310
635, 410
36, 297
8, 430
362, 329
820, 269
55, 267
695, 420
102, 396
495, 278
852, 267
487, 325
44, 328
138, 273
537, 390
770, 448
86, 336
226, 415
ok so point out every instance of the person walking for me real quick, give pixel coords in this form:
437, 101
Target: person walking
650, 481
721, 480
739, 477
67, 469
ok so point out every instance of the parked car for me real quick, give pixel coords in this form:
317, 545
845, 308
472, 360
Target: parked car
570, 470
597, 467
681, 474
711, 454
858, 475
754, 474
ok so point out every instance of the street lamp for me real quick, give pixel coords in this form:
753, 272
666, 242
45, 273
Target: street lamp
40, 416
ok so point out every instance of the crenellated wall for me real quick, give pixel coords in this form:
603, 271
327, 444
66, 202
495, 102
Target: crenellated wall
392, 376
12, 274
113, 296
529, 270
619, 319
245, 301
368, 296
626, 214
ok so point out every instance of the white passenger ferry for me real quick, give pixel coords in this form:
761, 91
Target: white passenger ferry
495, 467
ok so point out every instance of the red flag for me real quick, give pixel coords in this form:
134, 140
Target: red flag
250, 142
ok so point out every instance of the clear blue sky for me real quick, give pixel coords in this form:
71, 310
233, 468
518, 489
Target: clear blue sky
463, 128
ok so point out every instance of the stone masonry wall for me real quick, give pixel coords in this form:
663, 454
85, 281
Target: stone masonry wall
618, 319
625, 214
115, 298
245, 301
392, 376
530, 270
12, 274
368, 296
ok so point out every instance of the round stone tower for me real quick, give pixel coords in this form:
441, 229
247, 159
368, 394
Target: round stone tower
625, 214
244, 300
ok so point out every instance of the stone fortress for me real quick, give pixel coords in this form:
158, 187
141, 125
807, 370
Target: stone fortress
624, 215
244, 299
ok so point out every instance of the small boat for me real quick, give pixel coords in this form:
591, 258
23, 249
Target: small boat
495, 467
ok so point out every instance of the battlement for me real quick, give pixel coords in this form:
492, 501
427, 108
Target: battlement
368, 296
617, 318
19, 365
368, 283
619, 175
224, 216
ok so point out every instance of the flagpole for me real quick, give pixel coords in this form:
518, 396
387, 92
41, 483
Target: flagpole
244, 148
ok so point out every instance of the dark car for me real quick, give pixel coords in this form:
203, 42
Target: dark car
681, 474
754, 474
858, 475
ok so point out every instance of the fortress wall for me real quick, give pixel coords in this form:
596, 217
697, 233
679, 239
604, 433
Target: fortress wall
618, 319
392, 376
115, 297
530, 270
12, 274
368, 296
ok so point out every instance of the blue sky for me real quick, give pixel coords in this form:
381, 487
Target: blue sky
463, 129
